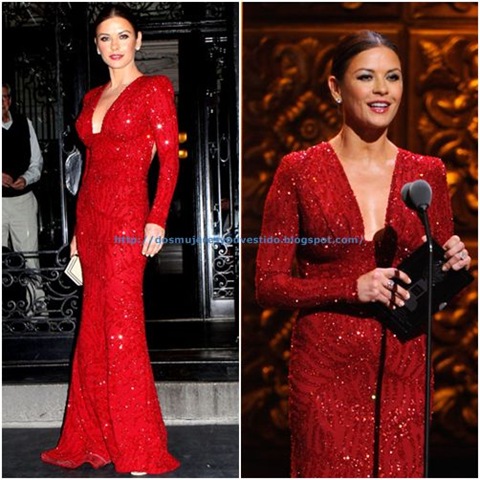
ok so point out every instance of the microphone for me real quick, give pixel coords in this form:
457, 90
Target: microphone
417, 195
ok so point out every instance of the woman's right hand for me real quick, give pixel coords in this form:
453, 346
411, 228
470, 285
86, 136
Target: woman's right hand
73, 246
378, 286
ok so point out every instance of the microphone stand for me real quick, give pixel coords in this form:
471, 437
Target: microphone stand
422, 211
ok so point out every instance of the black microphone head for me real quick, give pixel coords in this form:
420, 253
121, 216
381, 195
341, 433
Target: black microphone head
420, 194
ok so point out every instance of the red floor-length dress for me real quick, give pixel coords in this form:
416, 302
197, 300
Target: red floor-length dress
356, 392
113, 413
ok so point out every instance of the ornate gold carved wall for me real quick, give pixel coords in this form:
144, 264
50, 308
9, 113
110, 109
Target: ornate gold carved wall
286, 106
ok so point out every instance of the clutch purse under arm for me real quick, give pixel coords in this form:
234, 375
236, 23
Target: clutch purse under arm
74, 270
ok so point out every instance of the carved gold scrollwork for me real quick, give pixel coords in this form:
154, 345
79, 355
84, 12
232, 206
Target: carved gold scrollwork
449, 122
455, 358
287, 100
444, 9
448, 126
267, 405
295, 103
287, 107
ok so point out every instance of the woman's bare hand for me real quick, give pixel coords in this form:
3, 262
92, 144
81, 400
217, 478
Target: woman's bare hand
73, 246
378, 286
153, 243
456, 254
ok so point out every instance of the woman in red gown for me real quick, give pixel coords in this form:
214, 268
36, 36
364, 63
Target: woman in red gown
113, 413
356, 392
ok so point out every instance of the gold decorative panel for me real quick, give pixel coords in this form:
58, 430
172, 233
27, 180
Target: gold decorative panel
443, 10
443, 104
444, 108
455, 356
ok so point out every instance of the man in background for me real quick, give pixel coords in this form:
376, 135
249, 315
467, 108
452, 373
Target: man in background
21, 167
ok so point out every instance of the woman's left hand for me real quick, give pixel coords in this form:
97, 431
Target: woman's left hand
153, 239
456, 255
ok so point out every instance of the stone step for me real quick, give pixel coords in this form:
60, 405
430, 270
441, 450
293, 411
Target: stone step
183, 403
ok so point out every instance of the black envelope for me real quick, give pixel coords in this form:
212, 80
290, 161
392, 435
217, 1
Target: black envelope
410, 321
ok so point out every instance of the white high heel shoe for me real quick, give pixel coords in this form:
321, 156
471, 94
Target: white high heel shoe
138, 474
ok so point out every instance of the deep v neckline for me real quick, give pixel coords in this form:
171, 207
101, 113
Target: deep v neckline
353, 197
110, 107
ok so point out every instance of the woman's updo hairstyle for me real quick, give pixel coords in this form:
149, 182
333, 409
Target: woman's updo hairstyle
353, 44
115, 10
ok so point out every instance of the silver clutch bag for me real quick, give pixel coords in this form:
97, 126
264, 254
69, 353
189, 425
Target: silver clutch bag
73, 170
74, 270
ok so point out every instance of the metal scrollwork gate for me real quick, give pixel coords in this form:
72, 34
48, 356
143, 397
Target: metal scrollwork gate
49, 60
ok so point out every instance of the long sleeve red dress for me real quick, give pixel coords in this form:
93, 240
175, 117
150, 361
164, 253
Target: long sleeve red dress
356, 392
113, 413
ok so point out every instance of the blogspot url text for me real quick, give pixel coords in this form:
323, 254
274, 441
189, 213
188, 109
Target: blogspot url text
194, 240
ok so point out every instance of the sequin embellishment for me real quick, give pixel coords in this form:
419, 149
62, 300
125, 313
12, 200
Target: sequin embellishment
113, 413
345, 417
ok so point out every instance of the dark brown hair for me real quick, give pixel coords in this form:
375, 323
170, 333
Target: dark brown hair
8, 87
353, 44
115, 10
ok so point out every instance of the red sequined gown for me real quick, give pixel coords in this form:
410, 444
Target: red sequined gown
113, 413
356, 392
